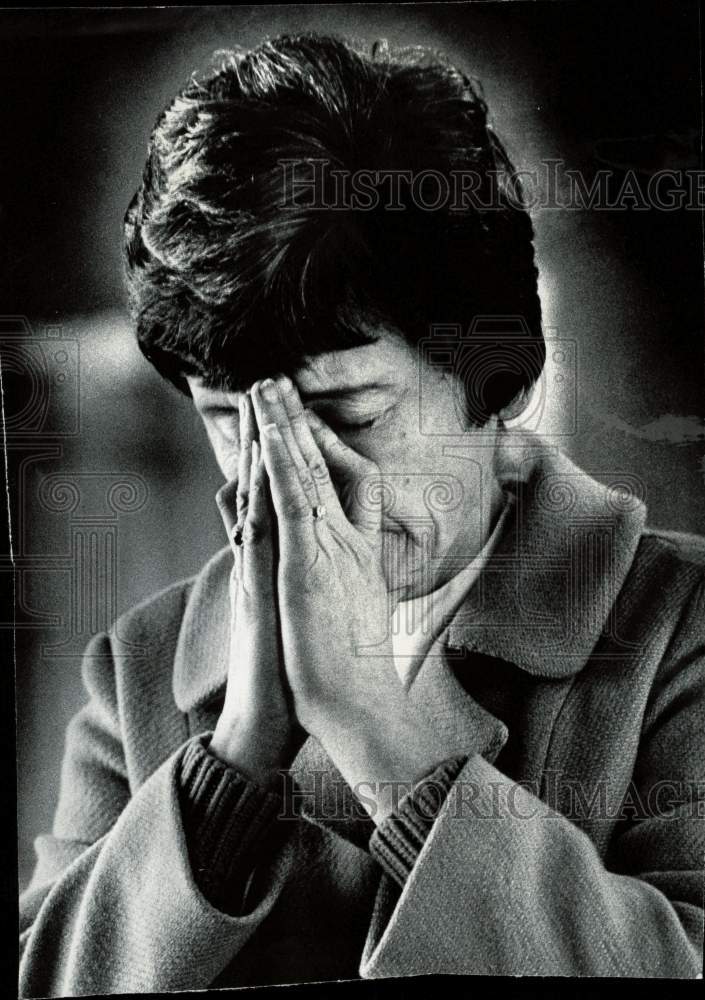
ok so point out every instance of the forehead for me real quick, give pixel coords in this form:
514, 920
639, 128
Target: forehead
389, 362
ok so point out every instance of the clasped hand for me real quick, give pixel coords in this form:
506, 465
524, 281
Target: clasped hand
310, 645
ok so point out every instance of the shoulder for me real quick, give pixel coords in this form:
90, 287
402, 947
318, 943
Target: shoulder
686, 548
671, 563
644, 558
665, 591
686, 553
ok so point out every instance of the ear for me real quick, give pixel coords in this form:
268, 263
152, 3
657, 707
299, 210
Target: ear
514, 409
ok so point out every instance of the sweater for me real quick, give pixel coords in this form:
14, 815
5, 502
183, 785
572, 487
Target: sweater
230, 823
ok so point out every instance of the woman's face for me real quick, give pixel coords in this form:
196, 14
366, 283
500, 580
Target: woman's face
386, 402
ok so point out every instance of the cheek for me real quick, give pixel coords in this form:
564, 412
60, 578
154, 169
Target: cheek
412, 477
226, 451
392, 448
427, 489
228, 463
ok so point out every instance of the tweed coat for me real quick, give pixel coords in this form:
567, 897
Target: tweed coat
571, 843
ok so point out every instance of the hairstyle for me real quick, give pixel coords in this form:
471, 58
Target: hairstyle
232, 279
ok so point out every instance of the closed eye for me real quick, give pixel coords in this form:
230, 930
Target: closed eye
343, 425
347, 425
226, 419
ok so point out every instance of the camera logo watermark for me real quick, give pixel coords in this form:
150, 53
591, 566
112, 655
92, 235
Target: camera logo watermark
492, 350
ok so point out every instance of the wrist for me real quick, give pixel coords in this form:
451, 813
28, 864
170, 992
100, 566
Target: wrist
246, 748
388, 728
381, 754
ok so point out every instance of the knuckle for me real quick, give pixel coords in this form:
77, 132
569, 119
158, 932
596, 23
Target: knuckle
319, 470
225, 495
307, 483
235, 595
258, 489
297, 510
346, 455
247, 600
253, 533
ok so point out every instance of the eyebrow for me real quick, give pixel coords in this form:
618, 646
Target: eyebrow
218, 408
342, 392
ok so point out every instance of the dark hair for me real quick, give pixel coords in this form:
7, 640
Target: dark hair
232, 280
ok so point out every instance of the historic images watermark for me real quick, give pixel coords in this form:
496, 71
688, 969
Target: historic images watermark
317, 184
554, 796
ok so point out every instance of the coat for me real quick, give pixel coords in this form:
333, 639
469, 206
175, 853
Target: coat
578, 850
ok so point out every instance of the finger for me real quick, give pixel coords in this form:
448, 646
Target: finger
247, 433
307, 444
356, 476
257, 547
269, 409
226, 499
291, 505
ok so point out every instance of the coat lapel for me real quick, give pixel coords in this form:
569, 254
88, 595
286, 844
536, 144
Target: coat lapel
201, 658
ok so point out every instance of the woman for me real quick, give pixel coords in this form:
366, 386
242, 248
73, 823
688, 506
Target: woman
438, 704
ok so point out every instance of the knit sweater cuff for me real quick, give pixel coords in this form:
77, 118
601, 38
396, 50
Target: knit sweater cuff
397, 841
229, 824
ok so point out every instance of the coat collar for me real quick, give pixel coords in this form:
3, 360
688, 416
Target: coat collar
542, 601
550, 585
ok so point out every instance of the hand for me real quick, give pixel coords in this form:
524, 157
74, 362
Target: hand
333, 601
257, 731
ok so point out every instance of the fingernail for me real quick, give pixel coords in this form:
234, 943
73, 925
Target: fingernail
255, 453
269, 390
270, 430
284, 383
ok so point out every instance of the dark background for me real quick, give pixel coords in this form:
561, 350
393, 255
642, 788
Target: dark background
594, 84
